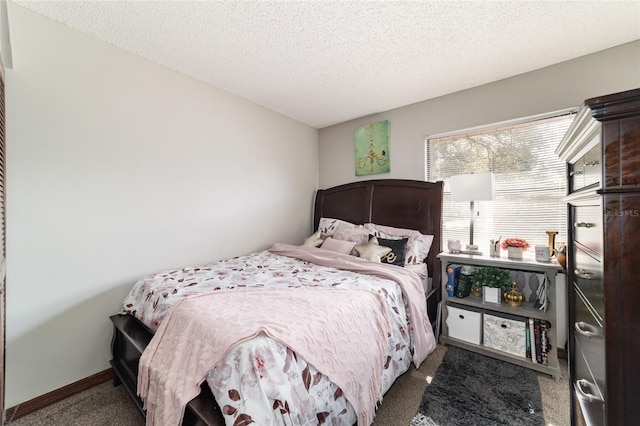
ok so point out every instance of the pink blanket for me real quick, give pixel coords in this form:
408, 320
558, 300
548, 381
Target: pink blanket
423, 340
170, 375
325, 326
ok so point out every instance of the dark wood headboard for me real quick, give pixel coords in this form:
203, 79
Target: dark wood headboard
401, 203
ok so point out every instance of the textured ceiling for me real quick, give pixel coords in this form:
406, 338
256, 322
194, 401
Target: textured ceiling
324, 63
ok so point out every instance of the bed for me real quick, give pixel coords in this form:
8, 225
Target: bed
380, 206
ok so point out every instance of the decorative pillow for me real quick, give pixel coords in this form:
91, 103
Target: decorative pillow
339, 246
418, 245
355, 233
314, 240
372, 250
328, 226
396, 255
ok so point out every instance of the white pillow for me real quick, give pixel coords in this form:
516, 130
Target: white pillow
355, 233
339, 246
328, 226
372, 251
314, 240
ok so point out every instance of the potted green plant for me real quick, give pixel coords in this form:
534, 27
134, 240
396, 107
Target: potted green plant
492, 280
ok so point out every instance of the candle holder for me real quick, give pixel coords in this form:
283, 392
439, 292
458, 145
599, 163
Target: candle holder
552, 241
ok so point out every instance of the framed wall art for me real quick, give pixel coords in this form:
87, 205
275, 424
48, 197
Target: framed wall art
372, 149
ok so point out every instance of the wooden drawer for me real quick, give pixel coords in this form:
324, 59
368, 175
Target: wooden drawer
587, 226
589, 334
591, 409
586, 393
586, 171
587, 276
583, 373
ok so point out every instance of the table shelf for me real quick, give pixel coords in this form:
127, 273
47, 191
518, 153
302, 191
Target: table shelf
527, 310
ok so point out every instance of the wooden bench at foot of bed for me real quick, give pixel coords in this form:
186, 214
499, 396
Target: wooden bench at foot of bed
130, 338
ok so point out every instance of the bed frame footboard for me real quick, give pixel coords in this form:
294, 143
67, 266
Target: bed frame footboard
130, 338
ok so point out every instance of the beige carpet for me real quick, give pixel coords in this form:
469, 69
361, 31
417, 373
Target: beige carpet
105, 405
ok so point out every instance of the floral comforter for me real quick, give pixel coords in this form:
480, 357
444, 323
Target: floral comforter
261, 380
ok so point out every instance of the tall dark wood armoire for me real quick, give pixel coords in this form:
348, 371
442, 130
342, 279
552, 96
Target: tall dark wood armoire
602, 151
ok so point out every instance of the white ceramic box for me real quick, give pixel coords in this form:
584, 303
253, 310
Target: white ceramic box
507, 334
464, 324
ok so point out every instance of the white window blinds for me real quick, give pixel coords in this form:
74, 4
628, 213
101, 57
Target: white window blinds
530, 180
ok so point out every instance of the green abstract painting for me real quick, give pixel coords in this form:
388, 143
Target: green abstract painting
372, 149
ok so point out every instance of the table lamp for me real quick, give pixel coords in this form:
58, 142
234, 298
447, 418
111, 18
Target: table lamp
472, 187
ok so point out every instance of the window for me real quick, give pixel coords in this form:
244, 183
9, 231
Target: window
530, 179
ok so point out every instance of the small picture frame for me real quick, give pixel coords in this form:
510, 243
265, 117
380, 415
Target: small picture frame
491, 295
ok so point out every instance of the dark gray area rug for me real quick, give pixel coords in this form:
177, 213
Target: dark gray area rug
472, 389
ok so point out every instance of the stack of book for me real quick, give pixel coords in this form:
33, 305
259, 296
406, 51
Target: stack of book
538, 343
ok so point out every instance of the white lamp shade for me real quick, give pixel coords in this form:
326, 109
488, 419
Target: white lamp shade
472, 187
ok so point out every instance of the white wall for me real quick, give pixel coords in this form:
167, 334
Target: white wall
116, 168
553, 88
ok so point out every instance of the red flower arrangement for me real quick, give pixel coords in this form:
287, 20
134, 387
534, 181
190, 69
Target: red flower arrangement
515, 242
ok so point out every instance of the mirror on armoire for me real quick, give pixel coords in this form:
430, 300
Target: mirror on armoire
2, 240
